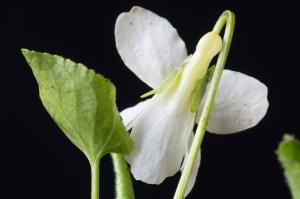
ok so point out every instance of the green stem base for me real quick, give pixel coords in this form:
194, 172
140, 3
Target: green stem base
95, 169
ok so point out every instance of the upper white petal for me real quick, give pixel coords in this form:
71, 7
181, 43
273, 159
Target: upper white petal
194, 173
128, 115
159, 137
241, 102
149, 45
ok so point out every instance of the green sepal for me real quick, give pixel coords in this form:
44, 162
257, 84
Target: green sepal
170, 79
210, 72
82, 103
289, 155
200, 89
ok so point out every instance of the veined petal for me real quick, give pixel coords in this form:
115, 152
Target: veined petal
149, 45
241, 102
194, 173
128, 115
159, 137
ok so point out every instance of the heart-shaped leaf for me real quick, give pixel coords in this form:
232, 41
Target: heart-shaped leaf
82, 103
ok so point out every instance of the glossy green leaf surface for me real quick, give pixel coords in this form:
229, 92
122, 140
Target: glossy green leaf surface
82, 103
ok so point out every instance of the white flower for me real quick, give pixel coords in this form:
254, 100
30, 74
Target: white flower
162, 126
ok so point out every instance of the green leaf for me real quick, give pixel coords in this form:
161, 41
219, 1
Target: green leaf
81, 103
289, 155
170, 79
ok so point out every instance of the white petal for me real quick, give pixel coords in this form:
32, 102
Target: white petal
149, 45
128, 115
159, 137
194, 173
241, 102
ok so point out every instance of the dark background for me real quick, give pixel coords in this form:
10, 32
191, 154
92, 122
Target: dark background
38, 161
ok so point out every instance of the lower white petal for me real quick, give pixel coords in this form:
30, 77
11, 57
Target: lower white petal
158, 135
241, 102
130, 114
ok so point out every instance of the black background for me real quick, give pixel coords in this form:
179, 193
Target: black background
38, 161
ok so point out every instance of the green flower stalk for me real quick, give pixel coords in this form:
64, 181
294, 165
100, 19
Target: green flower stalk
228, 17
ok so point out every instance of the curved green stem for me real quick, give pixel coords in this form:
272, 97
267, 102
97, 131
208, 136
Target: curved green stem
95, 178
124, 188
228, 18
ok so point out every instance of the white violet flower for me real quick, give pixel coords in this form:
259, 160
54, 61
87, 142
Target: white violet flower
162, 126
